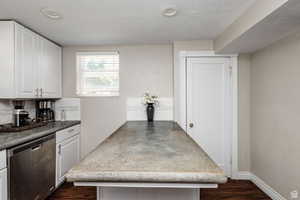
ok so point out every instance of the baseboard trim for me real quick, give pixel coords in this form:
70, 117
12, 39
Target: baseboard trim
266, 188
273, 194
242, 175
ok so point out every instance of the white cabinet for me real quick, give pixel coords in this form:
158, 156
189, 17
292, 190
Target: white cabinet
3, 184
67, 157
3, 176
25, 62
50, 70
67, 151
30, 66
7, 51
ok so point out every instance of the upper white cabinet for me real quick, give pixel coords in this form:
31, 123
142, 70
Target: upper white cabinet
30, 65
7, 50
50, 70
26, 63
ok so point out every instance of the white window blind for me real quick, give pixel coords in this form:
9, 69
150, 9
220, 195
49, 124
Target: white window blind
97, 73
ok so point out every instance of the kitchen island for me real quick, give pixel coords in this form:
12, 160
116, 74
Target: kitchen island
144, 160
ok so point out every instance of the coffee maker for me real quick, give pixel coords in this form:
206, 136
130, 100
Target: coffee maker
45, 111
20, 115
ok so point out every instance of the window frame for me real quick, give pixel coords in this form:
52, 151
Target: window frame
79, 78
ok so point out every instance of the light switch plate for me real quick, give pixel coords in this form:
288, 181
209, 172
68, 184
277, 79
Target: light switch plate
294, 194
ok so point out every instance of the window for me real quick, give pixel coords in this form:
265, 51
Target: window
97, 73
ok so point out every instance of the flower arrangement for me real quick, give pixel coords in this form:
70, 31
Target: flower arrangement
150, 99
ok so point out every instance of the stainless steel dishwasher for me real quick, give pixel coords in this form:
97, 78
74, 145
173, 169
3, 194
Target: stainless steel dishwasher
32, 169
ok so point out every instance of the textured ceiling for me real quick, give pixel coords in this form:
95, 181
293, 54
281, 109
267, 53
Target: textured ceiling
95, 22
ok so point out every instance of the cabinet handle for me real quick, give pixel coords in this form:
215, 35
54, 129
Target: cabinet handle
59, 149
36, 148
52, 188
41, 91
71, 130
37, 92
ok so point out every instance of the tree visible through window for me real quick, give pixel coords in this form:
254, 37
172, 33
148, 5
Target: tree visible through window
97, 73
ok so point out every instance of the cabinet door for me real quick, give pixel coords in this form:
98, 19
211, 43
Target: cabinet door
67, 156
3, 184
50, 72
7, 59
26, 63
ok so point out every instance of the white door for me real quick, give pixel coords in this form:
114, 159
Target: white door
208, 107
67, 157
50, 73
26, 63
3, 184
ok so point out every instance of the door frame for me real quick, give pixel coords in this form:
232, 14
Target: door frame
180, 83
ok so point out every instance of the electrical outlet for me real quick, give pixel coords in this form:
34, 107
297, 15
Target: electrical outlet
294, 194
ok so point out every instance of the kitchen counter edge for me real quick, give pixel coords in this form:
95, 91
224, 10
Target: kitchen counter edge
8, 140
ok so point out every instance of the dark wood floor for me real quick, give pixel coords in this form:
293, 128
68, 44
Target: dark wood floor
233, 190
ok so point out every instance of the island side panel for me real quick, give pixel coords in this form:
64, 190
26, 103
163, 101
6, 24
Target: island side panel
113, 193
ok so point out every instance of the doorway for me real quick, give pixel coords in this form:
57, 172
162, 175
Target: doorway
209, 106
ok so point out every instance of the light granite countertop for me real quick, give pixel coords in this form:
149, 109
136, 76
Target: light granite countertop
148, 152
10, 139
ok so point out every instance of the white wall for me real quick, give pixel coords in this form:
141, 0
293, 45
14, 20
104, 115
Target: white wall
275, 115
244, 63
142, 68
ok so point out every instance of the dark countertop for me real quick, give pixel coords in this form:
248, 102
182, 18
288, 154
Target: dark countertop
11, 139
148, 152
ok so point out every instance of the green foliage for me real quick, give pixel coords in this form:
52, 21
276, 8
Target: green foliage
94, 66
102, 81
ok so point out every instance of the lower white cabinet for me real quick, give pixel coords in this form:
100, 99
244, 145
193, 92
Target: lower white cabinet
67, 151
3, 184
3, 176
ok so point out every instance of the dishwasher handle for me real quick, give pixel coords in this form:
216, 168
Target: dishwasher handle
37, 147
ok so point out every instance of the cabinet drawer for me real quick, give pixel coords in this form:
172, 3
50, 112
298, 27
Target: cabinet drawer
67, 133
2, 159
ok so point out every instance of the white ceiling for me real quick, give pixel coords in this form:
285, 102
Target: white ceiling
95, 22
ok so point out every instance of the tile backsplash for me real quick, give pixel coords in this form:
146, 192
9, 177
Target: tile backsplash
70, 107
7, 107
137, 111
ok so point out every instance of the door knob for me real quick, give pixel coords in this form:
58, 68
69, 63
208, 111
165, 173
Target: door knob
191, 125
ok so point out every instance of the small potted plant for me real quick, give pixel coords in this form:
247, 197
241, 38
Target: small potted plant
150, 101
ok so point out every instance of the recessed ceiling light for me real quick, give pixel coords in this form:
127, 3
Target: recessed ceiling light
51, 14
169, 11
